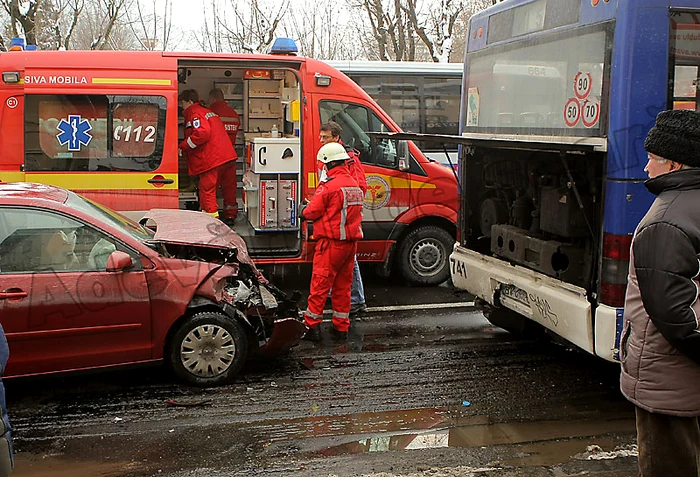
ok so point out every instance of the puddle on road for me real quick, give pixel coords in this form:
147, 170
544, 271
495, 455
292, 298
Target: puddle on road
31, 465
552, 441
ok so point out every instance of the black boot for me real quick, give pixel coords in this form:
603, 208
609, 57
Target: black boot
340, 335
313, 334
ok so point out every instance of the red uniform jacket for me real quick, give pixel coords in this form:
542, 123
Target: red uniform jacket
206, 143
229, 116
356, 169
336, 207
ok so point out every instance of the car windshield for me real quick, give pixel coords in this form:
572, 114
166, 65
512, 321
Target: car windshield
109, 216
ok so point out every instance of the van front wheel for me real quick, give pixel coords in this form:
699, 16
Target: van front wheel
423, 255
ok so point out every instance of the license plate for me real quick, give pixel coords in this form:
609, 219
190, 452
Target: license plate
515, 294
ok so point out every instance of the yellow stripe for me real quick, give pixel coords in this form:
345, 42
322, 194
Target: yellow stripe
100, 180
394, 182
11, 176
139, 81
400, 183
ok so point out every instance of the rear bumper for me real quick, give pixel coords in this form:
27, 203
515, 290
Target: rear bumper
558, 306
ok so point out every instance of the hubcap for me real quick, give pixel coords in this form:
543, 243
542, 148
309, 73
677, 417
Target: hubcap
427, 256
207, 351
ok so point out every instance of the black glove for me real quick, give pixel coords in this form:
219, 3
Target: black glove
300, 210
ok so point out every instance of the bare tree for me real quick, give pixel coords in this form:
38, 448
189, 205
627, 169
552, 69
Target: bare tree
321, 30
112, 12
102, 25
152, 26
23, 16
231, 27
70, 12
439, 42
409, 30
45, 23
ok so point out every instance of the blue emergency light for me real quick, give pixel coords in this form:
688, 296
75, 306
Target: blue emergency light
17, 44
284, 46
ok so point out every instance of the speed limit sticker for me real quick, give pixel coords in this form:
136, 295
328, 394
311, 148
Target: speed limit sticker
582, 85
590, 113
572, 112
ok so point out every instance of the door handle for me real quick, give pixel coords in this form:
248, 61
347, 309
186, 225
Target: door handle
13, 294
161, 181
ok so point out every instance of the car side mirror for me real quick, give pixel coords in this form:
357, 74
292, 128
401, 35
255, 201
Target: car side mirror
404, 155
119, 261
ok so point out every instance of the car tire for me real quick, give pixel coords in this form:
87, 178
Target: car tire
423, 255
208, 349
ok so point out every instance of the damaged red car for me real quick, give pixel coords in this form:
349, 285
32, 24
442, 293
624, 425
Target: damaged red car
83, 287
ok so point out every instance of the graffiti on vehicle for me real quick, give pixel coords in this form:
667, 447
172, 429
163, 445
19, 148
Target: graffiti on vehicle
545, 309
515, 293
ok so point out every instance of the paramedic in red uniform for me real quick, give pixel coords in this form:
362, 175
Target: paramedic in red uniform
210, 155
336, 210
228, 115
330, 132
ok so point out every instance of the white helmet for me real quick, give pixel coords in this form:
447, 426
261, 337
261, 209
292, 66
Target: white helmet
332, 151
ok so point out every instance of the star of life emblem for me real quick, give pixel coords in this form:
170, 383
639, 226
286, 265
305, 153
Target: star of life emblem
74, 132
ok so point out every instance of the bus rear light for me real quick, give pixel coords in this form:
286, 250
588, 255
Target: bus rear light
616, 262
616, 247
613, 295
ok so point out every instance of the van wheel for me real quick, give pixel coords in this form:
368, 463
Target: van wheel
208, 349
423, 256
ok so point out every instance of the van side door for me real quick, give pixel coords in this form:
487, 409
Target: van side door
109, 148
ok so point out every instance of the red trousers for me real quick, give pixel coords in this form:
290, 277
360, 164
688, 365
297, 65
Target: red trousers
332, 269
223, 176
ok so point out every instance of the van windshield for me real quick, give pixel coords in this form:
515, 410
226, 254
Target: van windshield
109, 216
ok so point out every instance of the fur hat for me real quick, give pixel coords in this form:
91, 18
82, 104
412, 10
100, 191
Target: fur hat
676, 136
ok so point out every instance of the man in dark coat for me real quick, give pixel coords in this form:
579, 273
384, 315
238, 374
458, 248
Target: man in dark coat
660, 347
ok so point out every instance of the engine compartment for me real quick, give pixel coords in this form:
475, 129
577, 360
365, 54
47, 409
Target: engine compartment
537, 209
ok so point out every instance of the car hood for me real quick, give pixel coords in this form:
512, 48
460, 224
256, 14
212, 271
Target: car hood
188, 227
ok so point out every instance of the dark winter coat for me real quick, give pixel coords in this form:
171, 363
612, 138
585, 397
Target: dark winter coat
660, 348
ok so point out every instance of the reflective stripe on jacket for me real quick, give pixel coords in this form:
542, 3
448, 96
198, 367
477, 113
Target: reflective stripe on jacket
336, 207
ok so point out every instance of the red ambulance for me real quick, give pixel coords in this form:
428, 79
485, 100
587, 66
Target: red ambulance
106, 124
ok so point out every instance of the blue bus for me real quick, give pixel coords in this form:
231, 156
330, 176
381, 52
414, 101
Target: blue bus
557, 98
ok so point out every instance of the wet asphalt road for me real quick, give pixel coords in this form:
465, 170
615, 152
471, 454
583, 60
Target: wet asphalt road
413, 392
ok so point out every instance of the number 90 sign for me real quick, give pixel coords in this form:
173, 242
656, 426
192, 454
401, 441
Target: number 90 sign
583, 83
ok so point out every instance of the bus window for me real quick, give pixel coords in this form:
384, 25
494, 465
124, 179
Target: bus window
442, 100
355, 121
685, 60
526, 96
94, 133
